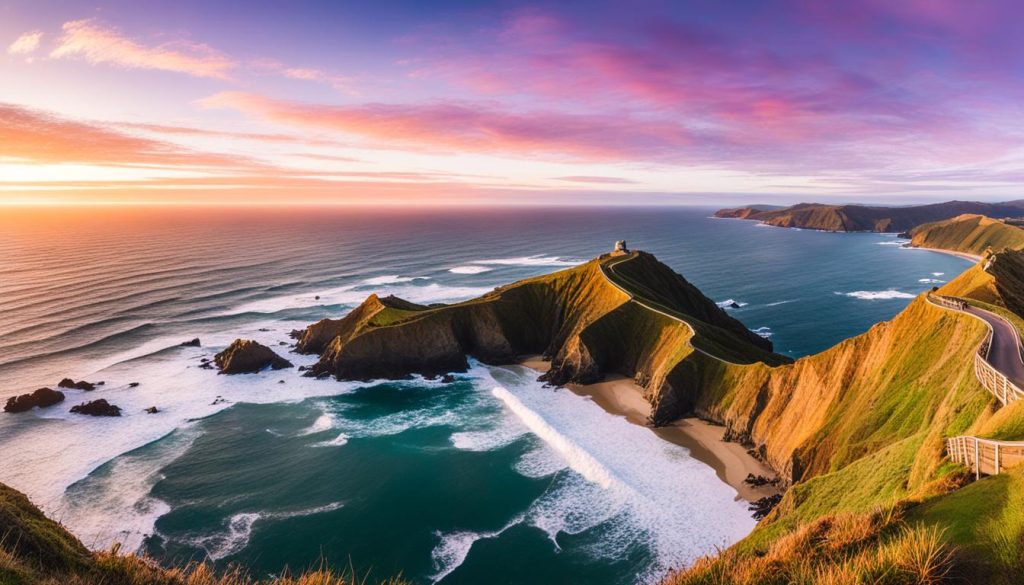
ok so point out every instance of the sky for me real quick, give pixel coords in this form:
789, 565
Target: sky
510, 103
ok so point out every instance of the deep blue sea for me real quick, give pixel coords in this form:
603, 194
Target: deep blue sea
493, 479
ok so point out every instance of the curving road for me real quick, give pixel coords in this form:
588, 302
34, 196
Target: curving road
1004, 354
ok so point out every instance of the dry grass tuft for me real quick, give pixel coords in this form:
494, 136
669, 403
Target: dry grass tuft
877, 548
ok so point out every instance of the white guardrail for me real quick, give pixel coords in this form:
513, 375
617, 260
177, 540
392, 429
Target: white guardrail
984, 456
992, 379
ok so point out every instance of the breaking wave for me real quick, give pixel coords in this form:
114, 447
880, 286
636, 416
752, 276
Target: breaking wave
877, 295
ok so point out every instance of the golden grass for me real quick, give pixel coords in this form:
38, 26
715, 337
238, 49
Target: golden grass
873, 548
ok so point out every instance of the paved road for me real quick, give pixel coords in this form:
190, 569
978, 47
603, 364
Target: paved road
1004, 354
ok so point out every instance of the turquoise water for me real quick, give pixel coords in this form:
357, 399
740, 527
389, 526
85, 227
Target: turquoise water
492, 479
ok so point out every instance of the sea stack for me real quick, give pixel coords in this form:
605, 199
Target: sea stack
42, 398
97, 408
245, 356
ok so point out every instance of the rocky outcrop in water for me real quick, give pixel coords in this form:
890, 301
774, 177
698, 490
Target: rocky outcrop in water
42, 398
191, 343
80, 385
97, 408
245, 356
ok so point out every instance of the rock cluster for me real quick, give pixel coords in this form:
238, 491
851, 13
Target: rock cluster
97, 408
42, 398
80, 385
246, 356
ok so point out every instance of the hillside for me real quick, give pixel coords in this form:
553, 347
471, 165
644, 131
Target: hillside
969, 234
860, 428
862, 218
580, 318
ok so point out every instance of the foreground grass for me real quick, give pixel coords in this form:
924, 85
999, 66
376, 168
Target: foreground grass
878, 548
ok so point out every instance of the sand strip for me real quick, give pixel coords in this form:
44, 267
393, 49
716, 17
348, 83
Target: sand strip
621, 396
963, 255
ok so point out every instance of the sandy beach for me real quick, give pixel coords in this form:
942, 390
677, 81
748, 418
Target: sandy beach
963, 255
621, 396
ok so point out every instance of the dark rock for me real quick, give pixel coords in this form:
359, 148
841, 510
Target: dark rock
447, 378
245, 356
296, 333
264, 329
133, 384
218, 400
759, 480
734, 305
151, 410
193, 343
282, 343
317, 297
42, 398
80, 385
97, 408
100, 383
280, 381
764, 506
303, 368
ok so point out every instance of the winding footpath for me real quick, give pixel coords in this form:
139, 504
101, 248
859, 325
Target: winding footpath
610, 267
1000, 369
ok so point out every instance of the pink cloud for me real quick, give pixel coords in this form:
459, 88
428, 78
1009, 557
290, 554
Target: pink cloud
468, 127
97, 43
26, 44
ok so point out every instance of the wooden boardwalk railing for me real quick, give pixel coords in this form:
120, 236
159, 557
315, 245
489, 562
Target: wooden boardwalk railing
992, 379
984, 456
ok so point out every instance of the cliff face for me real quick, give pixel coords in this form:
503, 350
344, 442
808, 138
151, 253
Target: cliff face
862, 425
578, 318
861, 218
970, 234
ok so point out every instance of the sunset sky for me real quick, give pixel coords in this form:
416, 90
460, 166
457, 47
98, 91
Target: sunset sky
510, 103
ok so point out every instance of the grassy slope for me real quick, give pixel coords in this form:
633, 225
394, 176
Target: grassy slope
865, 422
972, 234
587, 327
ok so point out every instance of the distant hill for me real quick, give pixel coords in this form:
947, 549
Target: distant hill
863, 218
970, 234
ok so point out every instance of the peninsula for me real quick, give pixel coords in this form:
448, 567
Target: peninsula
864, 218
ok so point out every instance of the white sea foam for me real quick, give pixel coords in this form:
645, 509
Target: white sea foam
577, 458
535, 260
891, 243
727, 303
764, 332
324, 422
454, 547
352, 295
876, 295
392, 279
616, 481
340, 440
938, 273
469, 269
777, 303
930, 280
235, 535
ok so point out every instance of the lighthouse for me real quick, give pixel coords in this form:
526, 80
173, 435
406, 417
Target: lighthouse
620, 247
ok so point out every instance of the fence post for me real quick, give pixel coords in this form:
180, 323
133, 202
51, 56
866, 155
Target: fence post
977, 460
997, 458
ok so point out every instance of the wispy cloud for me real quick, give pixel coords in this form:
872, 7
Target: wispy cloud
468, 127
31, 135
95, 42
26, 44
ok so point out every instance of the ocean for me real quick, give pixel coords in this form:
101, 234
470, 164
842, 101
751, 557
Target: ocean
491, 479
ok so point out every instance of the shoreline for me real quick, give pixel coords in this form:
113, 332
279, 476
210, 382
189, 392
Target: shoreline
962, 255
620, 396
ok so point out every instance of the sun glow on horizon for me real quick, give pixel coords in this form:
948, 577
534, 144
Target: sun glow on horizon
519, 105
